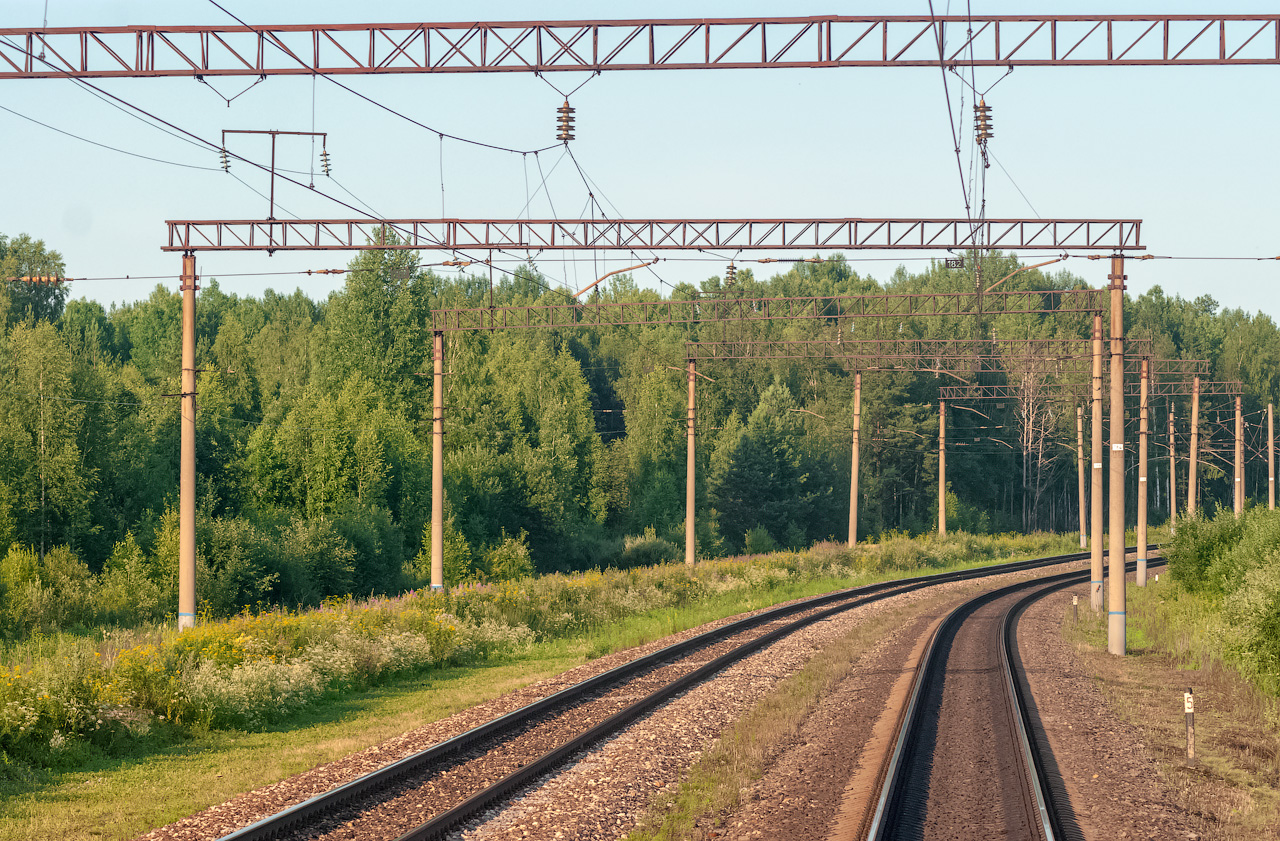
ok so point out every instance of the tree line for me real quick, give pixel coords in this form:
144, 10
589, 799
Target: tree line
565, 449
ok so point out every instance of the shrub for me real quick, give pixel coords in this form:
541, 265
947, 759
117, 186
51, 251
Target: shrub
130, 592
647, 550
1198, 542
758, 541
509, 560
459, 561
43, 594
237, 565
317, 561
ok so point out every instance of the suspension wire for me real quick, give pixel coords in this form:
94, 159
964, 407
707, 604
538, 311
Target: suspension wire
105, 146
442, 176
955, 137
371, 100
202, 80
196, 140
570, 93
1015, 184
592, 188
313, 131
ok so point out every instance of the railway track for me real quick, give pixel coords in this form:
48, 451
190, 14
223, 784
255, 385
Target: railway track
969, 758
426, 795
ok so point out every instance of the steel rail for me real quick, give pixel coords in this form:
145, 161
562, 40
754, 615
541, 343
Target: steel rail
1047, 800
1051, 796
274, 825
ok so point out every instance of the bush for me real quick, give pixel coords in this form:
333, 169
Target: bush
43, 595
758, 541
318, 562
130, 592
378, 543
509, 560
237, 565
648, 550
1198, 543
459, 561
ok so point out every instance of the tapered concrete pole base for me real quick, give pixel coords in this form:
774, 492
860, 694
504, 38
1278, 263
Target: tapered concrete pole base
1142, 572
1115, 633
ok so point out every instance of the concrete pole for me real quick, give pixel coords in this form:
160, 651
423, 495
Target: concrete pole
1173, 476
1195, 448
942, 468
1115, 548
1080, 476
1271, 457
187, 467
1143, 430
690, 544
1095, 474
853, 480
437, 462
1238, 500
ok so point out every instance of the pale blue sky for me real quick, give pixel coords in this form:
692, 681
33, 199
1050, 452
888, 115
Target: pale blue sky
1191, 151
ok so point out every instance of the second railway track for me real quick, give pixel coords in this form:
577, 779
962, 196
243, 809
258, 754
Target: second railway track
969, 760
427, 794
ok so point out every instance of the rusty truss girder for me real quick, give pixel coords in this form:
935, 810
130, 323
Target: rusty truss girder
711, 309
655, 44
650, 234
1079, 391
975, 354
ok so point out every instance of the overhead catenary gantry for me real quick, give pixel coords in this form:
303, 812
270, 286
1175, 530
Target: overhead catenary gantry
1122, 234
824, 41
655, 234
964, 359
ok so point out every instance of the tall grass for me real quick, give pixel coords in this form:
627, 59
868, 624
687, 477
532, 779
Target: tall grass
61, 693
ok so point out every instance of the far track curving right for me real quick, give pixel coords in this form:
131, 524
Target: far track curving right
967, 761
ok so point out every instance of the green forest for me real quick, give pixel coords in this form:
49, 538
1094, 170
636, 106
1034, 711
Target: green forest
564, 449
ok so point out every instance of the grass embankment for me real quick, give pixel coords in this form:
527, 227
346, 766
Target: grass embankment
107, 737
1211, 623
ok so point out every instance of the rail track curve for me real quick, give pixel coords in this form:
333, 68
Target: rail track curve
719, 647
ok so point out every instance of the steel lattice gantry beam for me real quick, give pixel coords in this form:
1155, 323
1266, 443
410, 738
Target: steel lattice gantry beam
1078, 391
973, 355
1030, 40
650, 234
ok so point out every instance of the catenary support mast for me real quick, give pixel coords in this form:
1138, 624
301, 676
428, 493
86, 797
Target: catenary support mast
853, 479
942, 468
1173, 475
187, 467
1143, 422
1095, 476
1081, 479
437, 461
690, 472
1115, 548
1238, 498
1194, 455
